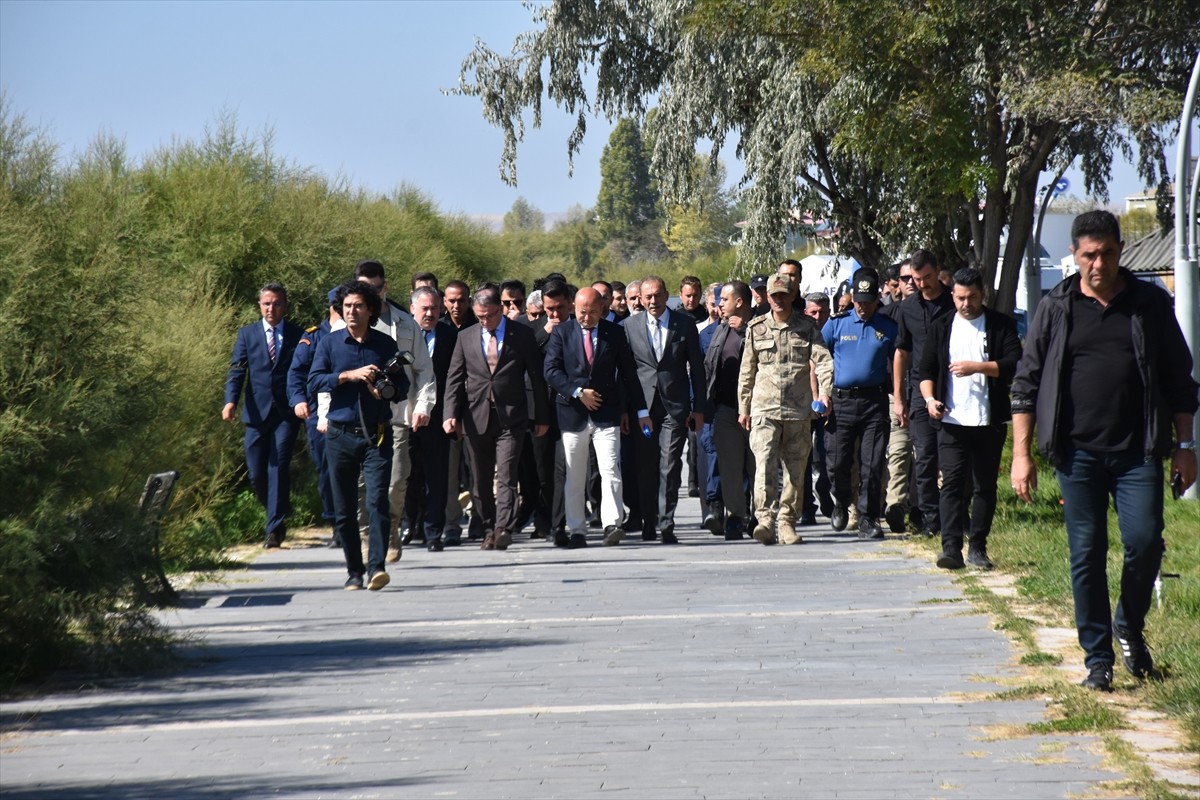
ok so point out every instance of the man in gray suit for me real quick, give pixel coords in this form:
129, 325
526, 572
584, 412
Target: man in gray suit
670, 366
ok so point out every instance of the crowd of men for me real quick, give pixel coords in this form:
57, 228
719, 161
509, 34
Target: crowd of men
571, 408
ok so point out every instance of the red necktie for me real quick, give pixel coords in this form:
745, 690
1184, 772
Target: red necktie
587, 346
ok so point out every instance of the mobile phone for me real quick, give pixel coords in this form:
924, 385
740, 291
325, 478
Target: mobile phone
1176, 486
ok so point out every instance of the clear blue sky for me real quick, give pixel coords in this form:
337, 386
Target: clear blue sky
349, 88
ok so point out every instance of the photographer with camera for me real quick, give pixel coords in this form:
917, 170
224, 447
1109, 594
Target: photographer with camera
354, 365
411, 408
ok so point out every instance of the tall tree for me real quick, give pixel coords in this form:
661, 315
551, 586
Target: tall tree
523, 217
626, 203
701, 223
904, 124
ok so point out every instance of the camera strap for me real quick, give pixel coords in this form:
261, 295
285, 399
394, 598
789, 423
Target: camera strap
380, 430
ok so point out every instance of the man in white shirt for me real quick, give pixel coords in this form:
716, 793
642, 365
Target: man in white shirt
965, 372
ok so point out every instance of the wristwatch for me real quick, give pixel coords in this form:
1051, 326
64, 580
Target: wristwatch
1188, 445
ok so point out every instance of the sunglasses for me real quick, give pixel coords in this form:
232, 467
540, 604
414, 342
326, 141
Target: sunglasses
906, 278
517, 303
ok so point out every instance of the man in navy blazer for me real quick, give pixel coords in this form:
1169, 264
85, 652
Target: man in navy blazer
590, 369
260, 361
670, 365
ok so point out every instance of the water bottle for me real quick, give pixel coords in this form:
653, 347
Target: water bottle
818, 408
646, 431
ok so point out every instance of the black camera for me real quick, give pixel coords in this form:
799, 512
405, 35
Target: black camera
392, 384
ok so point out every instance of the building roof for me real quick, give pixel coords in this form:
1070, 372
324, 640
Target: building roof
1153, 253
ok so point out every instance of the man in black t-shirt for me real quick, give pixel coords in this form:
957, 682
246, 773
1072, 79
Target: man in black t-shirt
915, 315
1107, 374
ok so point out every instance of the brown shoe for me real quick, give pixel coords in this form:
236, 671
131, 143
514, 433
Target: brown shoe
489, 543
503, 540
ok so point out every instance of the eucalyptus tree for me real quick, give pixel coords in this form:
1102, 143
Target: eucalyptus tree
903, 123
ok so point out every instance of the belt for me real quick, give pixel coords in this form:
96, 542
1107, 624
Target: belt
859, 391
341, 426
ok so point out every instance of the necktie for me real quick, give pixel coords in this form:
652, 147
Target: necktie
271, 344
658, 343
493, 352
430, 340
587, 345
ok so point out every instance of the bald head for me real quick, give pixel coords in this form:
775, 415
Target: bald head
589, 307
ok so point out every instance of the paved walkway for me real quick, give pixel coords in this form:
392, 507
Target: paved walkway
835, 669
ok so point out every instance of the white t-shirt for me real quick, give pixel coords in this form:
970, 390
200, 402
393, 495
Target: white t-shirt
967, 397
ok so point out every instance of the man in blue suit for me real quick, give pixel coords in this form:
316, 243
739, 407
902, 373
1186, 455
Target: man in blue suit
590, 369
260, 361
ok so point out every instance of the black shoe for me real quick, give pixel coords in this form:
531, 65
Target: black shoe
930, 532
669, 538
693, 491
539, 534
838, 518
894, 515
916, 518
577, 541
868, 528
978, 557
1099, 678
824, 503
712, 524
561, 539
951, 560
408, 536
613, 535
273, 540
335, 541
1135, 655
733, 529
436, 546
632, 525
452, 541
353, 583
649, 535
808, 518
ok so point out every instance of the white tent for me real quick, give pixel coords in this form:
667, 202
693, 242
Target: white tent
823, 273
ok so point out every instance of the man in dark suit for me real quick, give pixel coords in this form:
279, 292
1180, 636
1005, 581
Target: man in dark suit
431, 451
550, 512
261, 357
486, 402
670, 365
591, 370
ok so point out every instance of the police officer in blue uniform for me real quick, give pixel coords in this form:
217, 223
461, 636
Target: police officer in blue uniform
862, 342
304, 404
349, 364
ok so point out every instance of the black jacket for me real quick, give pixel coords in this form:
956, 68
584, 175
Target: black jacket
1002, 346
1163, 361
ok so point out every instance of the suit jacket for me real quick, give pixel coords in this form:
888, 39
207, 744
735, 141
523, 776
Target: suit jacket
400, 325
443, 350
1003, 347
612, 373
677, 380
470, 385
266, 387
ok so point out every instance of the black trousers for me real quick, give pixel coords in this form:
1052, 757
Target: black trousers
862, 421
925, 460
967, 453
549, 514
431, 449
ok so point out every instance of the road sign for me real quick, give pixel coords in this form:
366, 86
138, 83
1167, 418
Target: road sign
1061, 185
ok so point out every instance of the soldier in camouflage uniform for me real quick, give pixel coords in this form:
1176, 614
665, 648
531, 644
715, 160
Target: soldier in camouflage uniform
784, 363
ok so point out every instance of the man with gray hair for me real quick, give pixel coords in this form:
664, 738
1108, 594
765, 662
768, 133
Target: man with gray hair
486, 402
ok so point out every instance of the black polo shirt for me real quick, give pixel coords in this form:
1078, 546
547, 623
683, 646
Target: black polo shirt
915, 316
1103, 400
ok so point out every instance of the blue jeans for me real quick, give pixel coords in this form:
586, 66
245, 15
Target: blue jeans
1136, 486
348, 454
